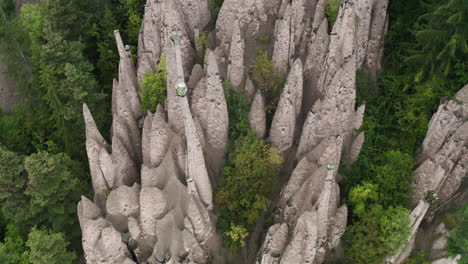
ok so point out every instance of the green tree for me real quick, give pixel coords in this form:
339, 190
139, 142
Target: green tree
251, 174
153, 87
13, 249
395, 228
237, 235
14, 203
458, 238
362, 196
53, 186
377, 234
238, 110
108, 57
332, 7
442, 41
48, 248
394, 179
133, 10
362, 239
268, 80
66, 82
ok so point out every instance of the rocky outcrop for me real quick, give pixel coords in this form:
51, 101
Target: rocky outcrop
443, 158
210, 109
444, 152
309, 202
163, 19
289, 107
257, 115
153, 185
236, 58
281, 50
153, 196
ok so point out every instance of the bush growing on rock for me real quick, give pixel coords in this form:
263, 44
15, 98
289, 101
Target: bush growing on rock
379, 233
250, 175
153, 87
458, 238
268, 80
238, 110
202, 43
332, 7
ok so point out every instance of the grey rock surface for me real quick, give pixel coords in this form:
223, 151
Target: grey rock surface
169, 215
289, 107
210, 109
236, 58
257, 115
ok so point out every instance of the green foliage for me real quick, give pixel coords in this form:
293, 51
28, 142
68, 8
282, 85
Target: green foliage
215, 7
48, 248
364, 87
237, 236
251, 173
238, 110
39, 189
133, 9
362, 196
362, 239
332, 7
396, 119
264, 38
202, 45
13, 249
66, 82
268, 80
14, 203
13, 179
450, 220
442, 41
395, 228
153, 87
53, 185
394, 179
379, 233
108, 57
419, 258
458, 238
8, 7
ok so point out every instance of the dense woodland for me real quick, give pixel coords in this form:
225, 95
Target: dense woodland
63, 53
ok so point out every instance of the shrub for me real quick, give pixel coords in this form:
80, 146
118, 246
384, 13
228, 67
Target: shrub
203, 44
268, 80
264, 38
458, 238
237, 235
361, 196
251, 173
395, 228
450, 220
394, 178
332, 7
362, 239
419, 258
238, 109
13, 250
379, 233
215, 7
153, 87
